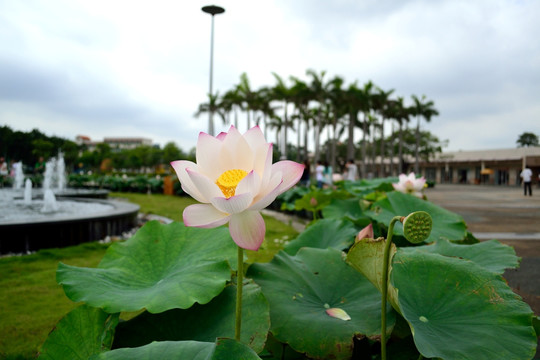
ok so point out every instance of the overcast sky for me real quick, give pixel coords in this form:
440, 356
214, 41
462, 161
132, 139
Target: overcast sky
106, 68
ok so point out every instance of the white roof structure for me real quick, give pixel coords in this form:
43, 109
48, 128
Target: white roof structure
487, 155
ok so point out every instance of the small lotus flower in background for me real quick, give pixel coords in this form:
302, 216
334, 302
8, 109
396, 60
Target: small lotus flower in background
410, 184
365, 233
234, 179
313, 202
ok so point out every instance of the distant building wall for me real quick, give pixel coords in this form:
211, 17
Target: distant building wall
493, 167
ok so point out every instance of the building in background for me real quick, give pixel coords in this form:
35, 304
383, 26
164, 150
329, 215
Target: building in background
116, 143
125, 143
493, 167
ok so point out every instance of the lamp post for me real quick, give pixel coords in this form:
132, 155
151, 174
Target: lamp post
212, 10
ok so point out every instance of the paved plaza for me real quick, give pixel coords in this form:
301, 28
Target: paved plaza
503, 213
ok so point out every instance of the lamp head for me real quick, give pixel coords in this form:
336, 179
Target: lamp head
213, 9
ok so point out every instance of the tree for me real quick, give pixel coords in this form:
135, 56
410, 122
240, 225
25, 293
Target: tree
280, 92
366, 98
382, 103
429, 144
338, 109
212, 106
248, 96
421, 108
402, 116
232, 101
527, 139
172, 152
320, 92
301, 95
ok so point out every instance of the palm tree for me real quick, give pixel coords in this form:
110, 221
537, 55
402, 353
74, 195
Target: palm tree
233, 102
337, 105
400, 113
263, 104
421, 108
319, 89
300, 96
282, 93
353, 98
381, 100
365, 98
212, 106
247, 95
276, 123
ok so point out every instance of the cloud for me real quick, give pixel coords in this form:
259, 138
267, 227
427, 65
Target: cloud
95, 68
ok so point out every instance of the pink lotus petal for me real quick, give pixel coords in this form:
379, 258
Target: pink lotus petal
241, 154
234, 204
267, 166
247, 229
205, 186
204, 216
221, 136
291, 172
272, 191
403, 178
256, 141
254, 137
207, 148
365, 233
250, 184
338, 314
180, 167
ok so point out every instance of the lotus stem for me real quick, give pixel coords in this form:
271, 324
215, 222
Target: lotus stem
239, 284
384, 285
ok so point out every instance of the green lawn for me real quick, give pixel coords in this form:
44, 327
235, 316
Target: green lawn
31, 302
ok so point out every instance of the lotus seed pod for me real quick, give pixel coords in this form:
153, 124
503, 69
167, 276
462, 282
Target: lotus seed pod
417, 226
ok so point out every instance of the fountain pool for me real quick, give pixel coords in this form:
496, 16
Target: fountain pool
25, 228
33, 219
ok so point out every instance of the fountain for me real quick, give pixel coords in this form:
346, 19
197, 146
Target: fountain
49, 202
54, 178
19, 175
28, 192
54, 217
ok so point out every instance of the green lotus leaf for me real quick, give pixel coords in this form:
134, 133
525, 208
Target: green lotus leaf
161, 267
325, 233
81, 333
363, 187
366, 256
222, 349
492, 255
202, 322
459, 310
446, 224
343, 208
301, 288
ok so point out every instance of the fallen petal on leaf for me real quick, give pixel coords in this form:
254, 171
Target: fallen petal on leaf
338, 314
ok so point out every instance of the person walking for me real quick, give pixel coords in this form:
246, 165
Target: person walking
327, 174
319, 174
4, 171
351, 170
305, 179
526, 175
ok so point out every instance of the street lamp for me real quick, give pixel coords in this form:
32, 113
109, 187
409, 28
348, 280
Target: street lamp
212, 10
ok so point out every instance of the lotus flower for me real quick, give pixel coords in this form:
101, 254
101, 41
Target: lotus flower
410, 184
365, 233
234, 179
